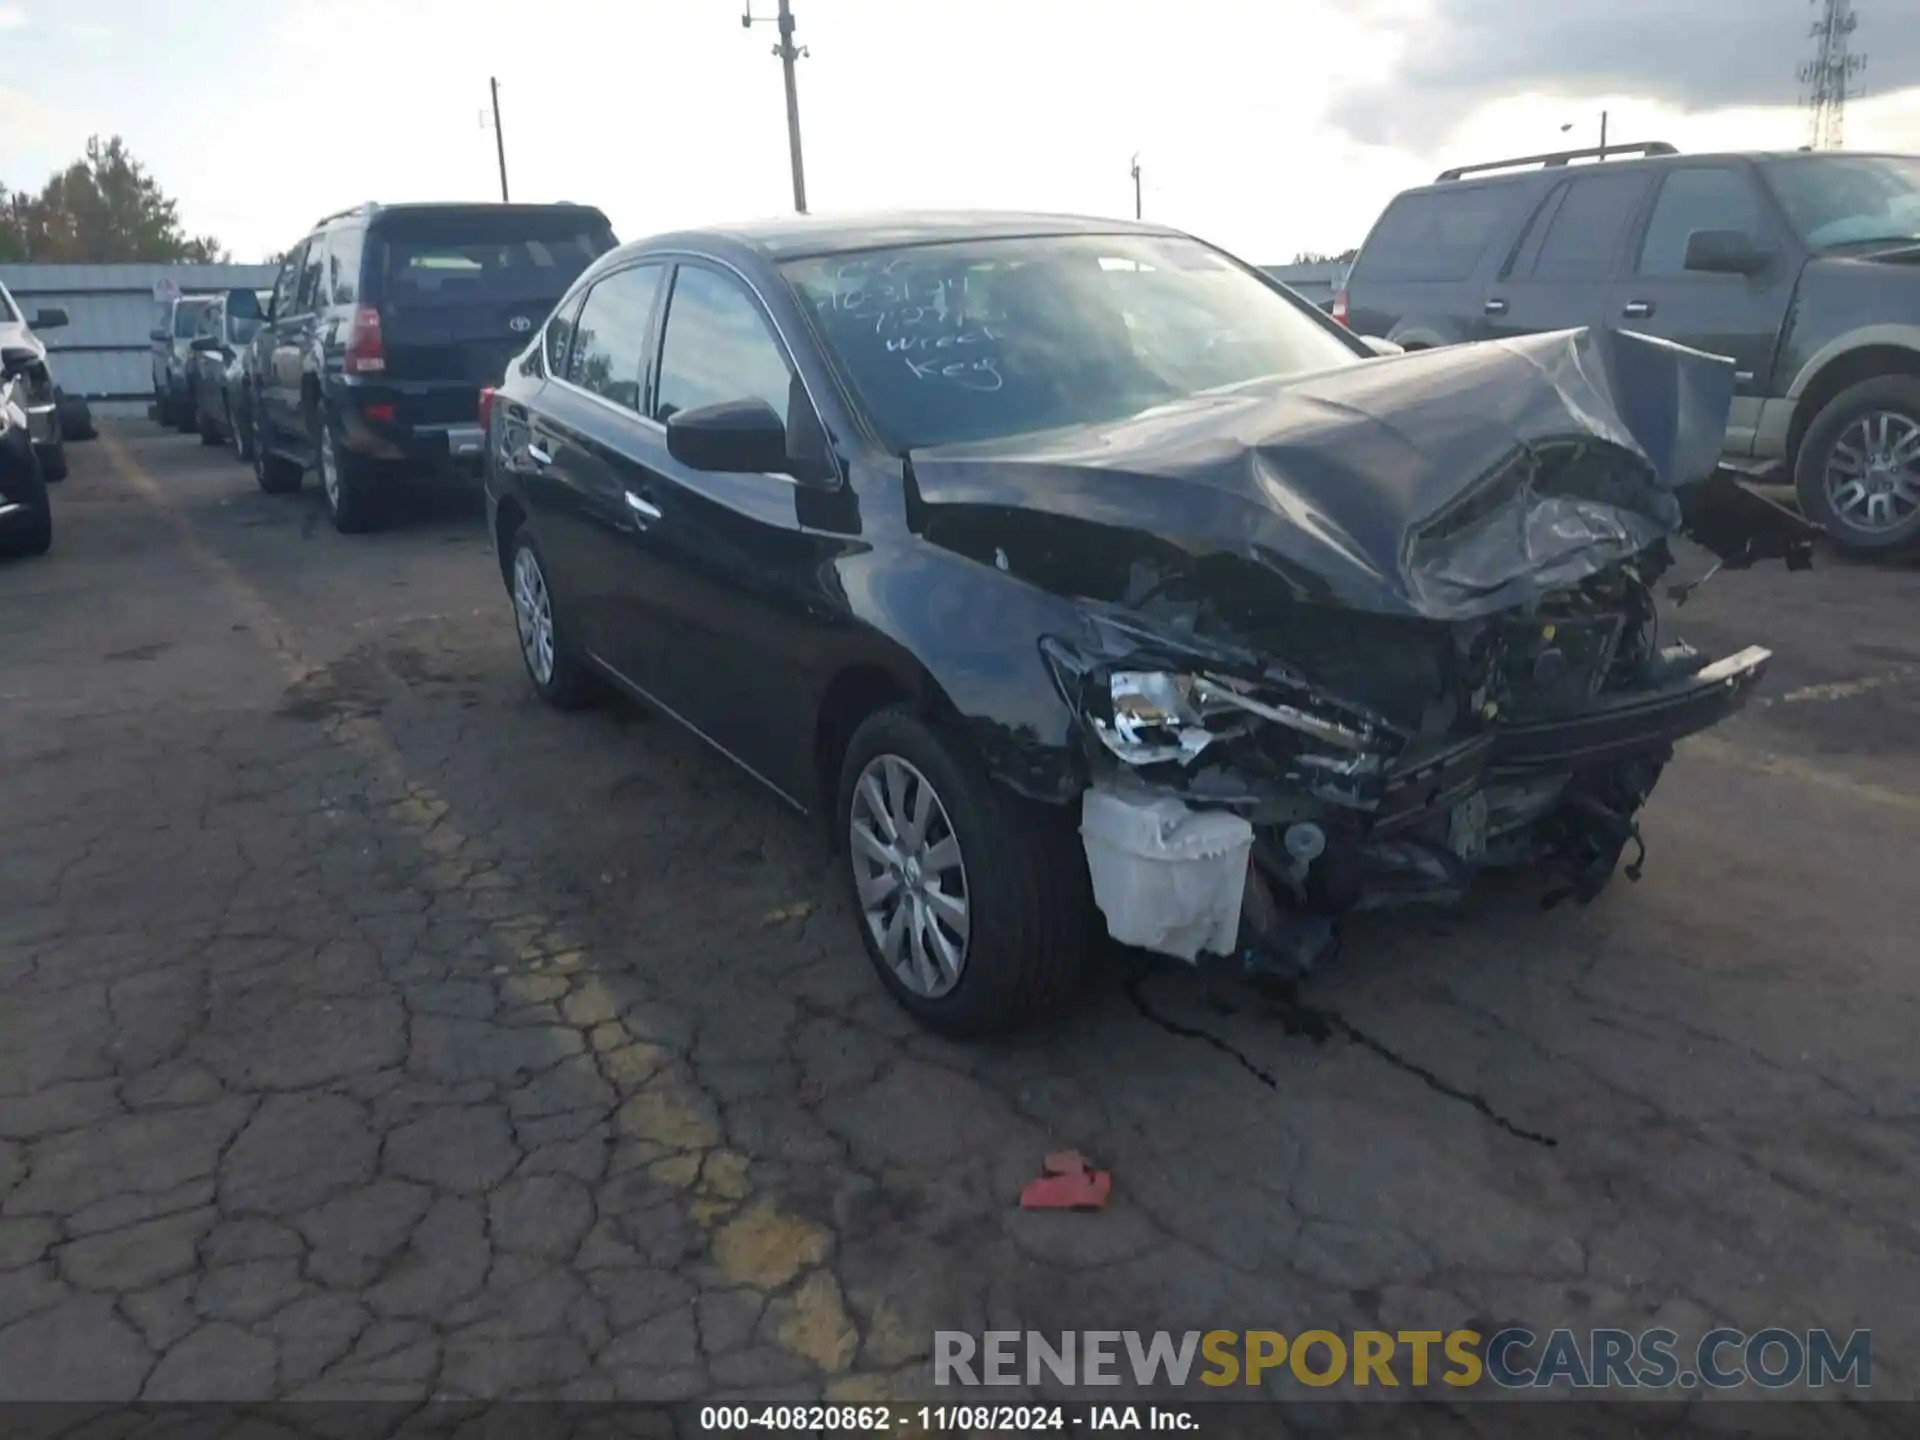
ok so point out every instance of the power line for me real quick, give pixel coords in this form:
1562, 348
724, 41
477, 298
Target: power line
1827, 74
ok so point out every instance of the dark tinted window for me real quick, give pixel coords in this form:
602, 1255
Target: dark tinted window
306, 298
460, 258
1435, 234
717, 348
288, 280
186, 318
1720, 198
560, 336
343, 264
1584, 233
1849, 199
609, 341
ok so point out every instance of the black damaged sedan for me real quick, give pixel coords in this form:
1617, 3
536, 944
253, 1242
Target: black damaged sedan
1084, 579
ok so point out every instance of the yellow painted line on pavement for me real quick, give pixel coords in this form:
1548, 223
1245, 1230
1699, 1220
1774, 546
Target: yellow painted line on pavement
754, 1242
1719, 751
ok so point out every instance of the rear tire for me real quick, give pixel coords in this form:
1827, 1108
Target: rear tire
346, 480
209, 429
559, 674
186, 416
1022, 875
53, 465
1847, 427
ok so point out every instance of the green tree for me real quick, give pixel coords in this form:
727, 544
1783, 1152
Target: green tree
1314, 257
103, 209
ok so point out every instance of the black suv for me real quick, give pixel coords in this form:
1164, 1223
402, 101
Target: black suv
382, 328
1803, 267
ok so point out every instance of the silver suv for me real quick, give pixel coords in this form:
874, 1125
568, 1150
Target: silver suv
172, 339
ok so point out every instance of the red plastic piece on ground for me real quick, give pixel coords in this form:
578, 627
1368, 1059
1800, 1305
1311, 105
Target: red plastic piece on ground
1071, 1183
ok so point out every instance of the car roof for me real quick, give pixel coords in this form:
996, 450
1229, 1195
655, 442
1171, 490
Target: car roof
371, 211
792, 237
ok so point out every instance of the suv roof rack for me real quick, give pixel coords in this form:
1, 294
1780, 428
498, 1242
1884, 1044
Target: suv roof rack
342, 214
1561, 157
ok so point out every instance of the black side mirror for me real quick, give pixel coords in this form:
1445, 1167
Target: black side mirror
51, 318
743, 436
158, 334
206, 344
1726, 252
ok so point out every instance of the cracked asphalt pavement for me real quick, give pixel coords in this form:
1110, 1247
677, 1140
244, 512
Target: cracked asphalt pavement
369, 1031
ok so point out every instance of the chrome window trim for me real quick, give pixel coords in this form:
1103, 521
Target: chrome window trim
766, 310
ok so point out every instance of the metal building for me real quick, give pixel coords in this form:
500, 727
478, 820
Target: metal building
1313, 282
105, 352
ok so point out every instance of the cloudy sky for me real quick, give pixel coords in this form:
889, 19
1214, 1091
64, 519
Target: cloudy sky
1270, 126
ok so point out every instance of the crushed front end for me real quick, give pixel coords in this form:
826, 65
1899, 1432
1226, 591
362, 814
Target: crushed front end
1442, 749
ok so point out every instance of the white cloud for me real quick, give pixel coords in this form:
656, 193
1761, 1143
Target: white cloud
12, 19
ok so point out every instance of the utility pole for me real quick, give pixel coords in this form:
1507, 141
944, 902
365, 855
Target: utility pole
788, 53
1136, 184
1603, 135
499, 140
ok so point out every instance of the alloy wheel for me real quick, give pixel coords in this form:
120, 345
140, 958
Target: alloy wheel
533, 614
1872, 474
910, 876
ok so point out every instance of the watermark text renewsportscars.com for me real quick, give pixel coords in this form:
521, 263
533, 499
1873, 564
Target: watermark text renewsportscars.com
1514, 1358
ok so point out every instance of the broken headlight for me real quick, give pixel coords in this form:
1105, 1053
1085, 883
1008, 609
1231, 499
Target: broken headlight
1151, 716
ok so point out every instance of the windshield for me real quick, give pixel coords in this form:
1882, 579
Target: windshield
186, 318
1849, 199
977, 340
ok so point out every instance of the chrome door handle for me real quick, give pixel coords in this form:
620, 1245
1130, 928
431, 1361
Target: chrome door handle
1637, 309
1496, 307
538, 456
642, 506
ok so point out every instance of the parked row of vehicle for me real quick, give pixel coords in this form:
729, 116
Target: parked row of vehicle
37, 419
364, 362
1803, 267
1077, 575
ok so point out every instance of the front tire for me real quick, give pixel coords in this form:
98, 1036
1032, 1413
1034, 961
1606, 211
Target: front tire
559, 675
973, 904
34, 536
1858, 471
53, 464
274, 474
208, 427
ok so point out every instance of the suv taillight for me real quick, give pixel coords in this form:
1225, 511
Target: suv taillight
486, 407
1339, 311
366, 352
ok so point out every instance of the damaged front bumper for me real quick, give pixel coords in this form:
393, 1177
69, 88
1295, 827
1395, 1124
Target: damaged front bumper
1316, 807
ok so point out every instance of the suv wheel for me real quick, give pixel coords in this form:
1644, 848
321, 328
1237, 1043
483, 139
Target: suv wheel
53, 462
973, 904
275, 474
346, 480
1858, 471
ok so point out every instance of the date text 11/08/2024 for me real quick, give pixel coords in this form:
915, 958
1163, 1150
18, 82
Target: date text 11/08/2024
936, 1419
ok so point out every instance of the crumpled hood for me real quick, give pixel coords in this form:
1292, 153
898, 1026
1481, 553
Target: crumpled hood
1444, 483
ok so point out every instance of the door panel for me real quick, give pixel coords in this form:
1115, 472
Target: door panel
1558, 276
738, 615
1737, 316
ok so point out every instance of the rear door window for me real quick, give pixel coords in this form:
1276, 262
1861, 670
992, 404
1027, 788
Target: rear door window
434, 261
306, 299
609, 350
1582, 234
187, 315
1435, 234
343, 265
